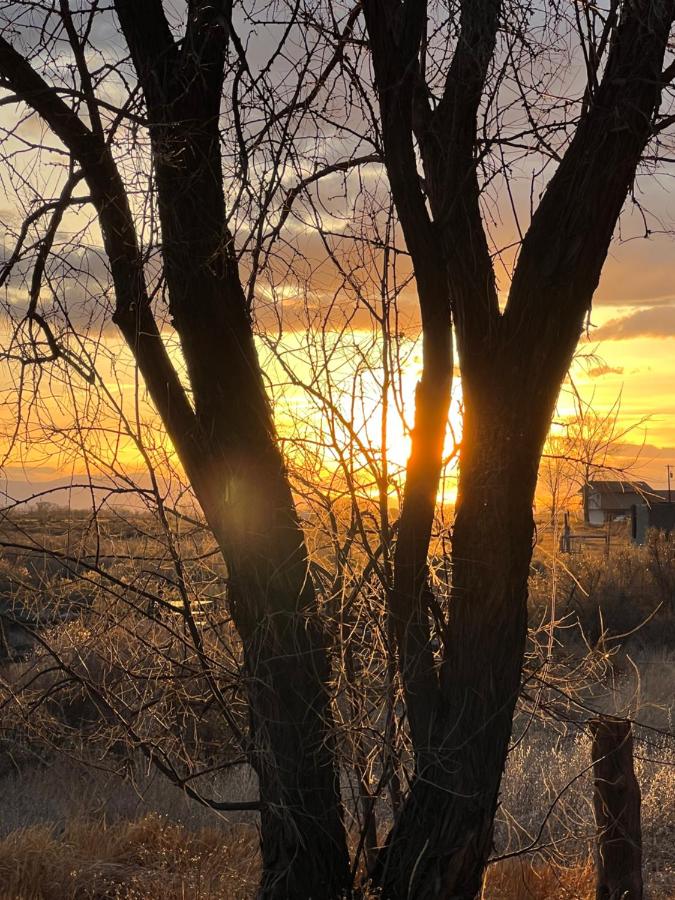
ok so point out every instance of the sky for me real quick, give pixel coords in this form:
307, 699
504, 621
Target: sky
633, 326
630, 341
630, 336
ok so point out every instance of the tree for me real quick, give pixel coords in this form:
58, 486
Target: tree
154, 164
585, 444
222, 428
512, 359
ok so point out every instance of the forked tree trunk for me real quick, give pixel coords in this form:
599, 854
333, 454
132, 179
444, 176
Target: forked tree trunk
224, 436
513, 362
442, 838
248, 501
246, 496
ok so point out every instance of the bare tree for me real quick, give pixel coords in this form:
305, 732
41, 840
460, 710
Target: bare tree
513, 360
194, 106
584, 444
219, 420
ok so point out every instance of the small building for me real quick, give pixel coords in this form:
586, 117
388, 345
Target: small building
604, 501
658, 516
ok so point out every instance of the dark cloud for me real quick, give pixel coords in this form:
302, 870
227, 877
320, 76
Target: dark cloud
653, 322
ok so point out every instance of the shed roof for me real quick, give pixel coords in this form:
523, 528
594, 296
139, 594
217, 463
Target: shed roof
618, 487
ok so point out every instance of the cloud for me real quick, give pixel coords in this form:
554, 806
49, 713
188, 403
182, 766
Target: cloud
638, 273
651, 451
635, 301
604, 369
653, 322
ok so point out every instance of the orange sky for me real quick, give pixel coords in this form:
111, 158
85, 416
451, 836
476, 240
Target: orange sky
632, 326
632, 329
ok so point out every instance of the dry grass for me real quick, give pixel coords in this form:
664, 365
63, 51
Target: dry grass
85, 857
630, 594
152, 858
520, 879
77, 829
148, 858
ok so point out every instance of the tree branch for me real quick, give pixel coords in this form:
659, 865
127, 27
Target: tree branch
448, 147
567, 242
153, 49
132, 313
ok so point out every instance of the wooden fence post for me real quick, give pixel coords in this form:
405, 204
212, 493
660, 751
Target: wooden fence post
616, 801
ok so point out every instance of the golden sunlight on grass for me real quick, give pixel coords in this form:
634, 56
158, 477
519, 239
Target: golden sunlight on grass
518, 879
151, 858
337, 441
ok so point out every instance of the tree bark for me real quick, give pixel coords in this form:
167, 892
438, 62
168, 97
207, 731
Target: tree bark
248, 497
394, 58
225, 438
412, 594
441, 840
513, 364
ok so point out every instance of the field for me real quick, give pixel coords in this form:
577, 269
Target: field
87, 814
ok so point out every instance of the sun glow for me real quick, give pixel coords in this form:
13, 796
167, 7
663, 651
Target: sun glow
342, 415
343, 404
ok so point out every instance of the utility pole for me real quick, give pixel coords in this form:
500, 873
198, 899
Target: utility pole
669, 470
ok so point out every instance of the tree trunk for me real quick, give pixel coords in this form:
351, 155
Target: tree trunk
246, 496
303, 840
287, 673
513, 363
236, 469
440, 843
411, 594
